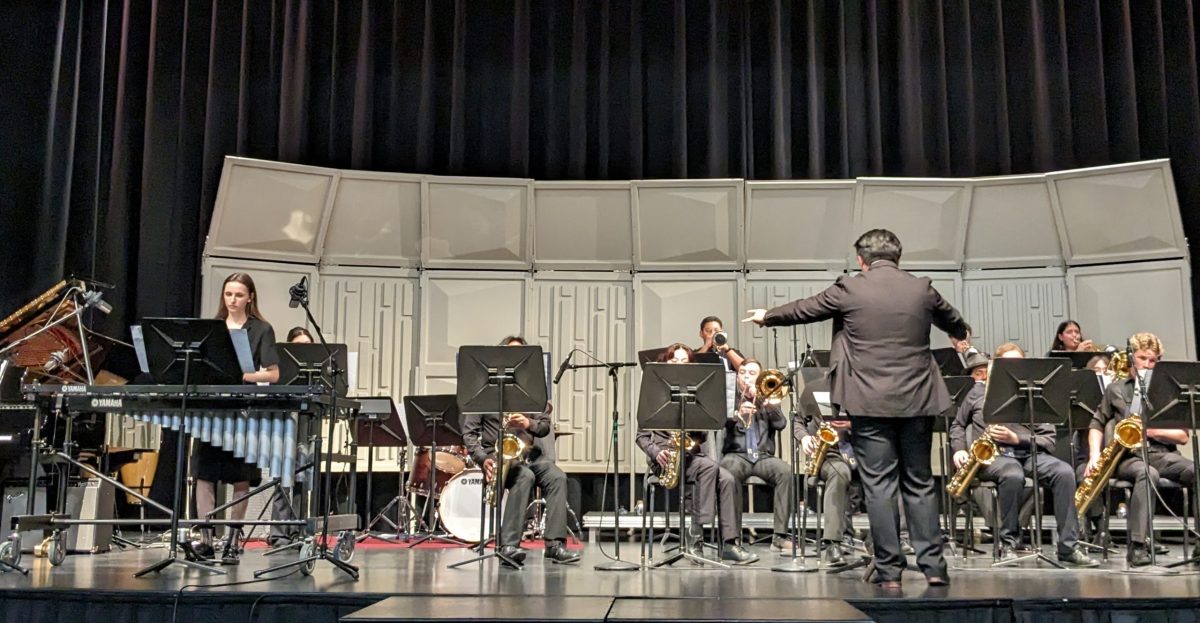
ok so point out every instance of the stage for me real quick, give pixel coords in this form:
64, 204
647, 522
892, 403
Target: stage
101, 588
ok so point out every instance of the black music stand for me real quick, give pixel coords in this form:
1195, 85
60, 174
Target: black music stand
379, 413
1079, 358
1029, 392
187, 351
433, 421
494, 380
1086, 393
949, 361
313, 364
682, 398
1171, 403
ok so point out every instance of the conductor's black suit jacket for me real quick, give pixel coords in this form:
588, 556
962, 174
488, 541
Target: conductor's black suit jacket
880, 363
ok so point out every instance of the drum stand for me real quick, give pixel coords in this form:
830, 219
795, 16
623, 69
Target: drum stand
403, 510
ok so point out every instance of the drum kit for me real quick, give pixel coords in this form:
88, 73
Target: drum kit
458, 489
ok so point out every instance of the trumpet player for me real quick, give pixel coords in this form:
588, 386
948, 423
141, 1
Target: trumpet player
717, 341
1123, 398
480, 432
1012, 465
749, 448
704, 478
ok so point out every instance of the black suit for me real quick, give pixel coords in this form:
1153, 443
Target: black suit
883, 375
705, 478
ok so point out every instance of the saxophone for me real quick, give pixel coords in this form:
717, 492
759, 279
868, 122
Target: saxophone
512, 449
983, 451
668, 477
1127, 435
826, 437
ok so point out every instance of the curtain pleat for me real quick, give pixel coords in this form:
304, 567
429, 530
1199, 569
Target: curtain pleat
118, 126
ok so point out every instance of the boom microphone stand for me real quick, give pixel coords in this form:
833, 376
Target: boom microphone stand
795, 563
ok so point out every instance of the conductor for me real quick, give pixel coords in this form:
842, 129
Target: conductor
883, 376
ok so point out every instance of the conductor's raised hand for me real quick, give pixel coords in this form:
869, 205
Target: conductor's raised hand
756, 316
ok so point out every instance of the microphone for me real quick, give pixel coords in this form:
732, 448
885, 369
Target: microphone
563, 368
298, 292
96, 299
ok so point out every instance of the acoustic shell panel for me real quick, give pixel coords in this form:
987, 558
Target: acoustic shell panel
376, 220
271, 210
671, 306
1113, 302
949, 285
592, 313
688, 224
583, 225
1021, 306
373, 312
798, 225
273, 280
1012, 224
476, 223
767, 290
1118, 213
464, 308
929, 216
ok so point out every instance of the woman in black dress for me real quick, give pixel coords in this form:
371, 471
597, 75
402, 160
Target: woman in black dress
210, 464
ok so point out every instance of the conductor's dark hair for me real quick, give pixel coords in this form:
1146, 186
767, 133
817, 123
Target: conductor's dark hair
514, 338
708, 319
878, 244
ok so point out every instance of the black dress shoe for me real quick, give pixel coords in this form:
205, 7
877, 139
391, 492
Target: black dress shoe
559, 554
513, 553
1078, 558
738, 555
1161, 550
1007, 552
834, 556
204, 551
1138, 556
938, 580
906, 547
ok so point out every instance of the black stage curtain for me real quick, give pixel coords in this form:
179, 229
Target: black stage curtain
117, 113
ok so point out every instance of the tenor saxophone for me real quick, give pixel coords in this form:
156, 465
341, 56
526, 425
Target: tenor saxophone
983, 452
826, 437
512, 449
668, 476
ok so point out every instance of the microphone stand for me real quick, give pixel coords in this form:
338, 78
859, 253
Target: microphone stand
794, 563
1140, 388
613, 369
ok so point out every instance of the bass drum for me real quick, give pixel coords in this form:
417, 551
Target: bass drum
460, 503
448, 460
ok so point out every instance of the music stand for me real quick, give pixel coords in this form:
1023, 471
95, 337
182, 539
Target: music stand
949, 361
1172, 396
1029, 392
494, 380
187, 351
312, 364
1079, 359
433, 421
682, 398
380, 413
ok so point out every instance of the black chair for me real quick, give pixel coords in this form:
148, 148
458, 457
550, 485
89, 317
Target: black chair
1163, 484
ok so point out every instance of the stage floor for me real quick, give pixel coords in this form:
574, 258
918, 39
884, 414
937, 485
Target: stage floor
388, 570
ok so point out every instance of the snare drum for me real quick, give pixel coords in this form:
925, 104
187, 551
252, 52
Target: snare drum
459, 506
448, 461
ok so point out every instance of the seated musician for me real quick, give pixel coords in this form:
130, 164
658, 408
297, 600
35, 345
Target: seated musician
480, 431
1121, 399
710, 326
837, 471
210, 464
749, 447
1013, 465
1069, 337
703, 476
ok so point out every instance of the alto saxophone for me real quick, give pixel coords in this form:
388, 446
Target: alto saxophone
826, 437
512, 449
983, 452
668, 476
1127, 435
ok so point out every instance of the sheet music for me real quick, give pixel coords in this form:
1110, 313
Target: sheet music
139, 345
823, 403
241, 345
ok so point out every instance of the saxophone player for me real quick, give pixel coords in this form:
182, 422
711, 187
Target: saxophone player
480, 431
1012, 465
1122, 398
749, 448
837, 470
704, 478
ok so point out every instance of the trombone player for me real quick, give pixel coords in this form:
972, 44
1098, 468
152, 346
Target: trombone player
1010, 465
1122, 398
